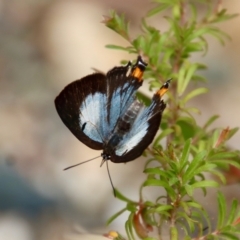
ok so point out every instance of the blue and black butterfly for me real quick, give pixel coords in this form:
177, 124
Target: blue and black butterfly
102, 111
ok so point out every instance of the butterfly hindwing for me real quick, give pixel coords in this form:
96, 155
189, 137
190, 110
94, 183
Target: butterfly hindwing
141, 133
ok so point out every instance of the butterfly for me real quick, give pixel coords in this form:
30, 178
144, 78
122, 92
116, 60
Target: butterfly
102, 111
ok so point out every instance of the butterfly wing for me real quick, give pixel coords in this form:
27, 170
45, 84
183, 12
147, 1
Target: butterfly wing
121, 90
141, 134
90, 107
80, 105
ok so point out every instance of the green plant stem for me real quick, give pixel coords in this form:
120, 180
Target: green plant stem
173, 233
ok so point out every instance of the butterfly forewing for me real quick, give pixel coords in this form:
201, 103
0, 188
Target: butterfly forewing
121, 93
90, 107
80, 107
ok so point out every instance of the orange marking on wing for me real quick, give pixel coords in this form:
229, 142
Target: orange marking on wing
137, 73
163, 89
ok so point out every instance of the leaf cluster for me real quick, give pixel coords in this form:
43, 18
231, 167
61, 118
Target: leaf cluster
191, 152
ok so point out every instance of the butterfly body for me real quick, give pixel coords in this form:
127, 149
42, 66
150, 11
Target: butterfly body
103, 112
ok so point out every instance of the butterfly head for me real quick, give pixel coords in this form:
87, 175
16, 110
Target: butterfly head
105, 156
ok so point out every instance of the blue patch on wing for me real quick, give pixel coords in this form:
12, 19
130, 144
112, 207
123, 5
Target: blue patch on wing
92, 118
93, 112
121, 99
137, 132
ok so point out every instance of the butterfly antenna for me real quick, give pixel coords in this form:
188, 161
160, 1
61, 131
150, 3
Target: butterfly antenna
114, 191
80, 163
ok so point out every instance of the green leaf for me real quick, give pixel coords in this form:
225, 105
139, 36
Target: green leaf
194, 93
192, 204
158, 171
174, 166
229, 235
131, 207
222, 155
221, 16
218, 34
129, 227
195, 47
198, 33
219, 175
149, 204
193, 168
185, 153
111, 219
173, 181
232, 132
112, 46
158, 9
188, 220
162, 135
204, 184
193, 11
233, 211
187, 128
140, 43
226, 162
117, 23
123, 198
185, 75
210, 121
159, 183
192, 109
163, 208
189, 189
198, 78
221, 210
